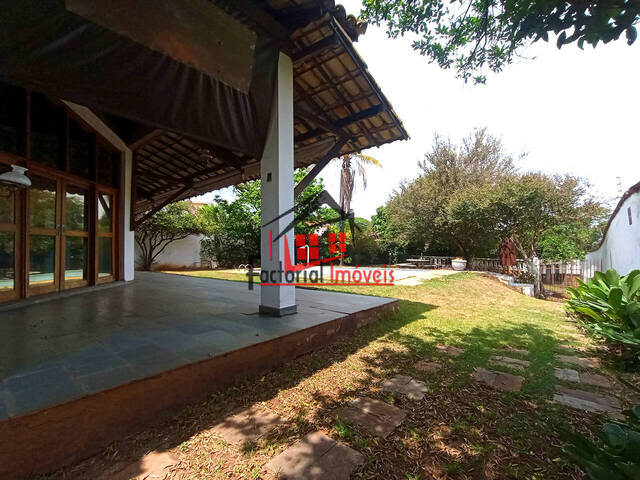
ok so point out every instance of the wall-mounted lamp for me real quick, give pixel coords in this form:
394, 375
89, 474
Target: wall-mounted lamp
16, 178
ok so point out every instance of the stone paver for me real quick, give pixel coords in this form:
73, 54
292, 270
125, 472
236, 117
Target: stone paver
595, 380
567, 374
316, 457
585, 362
498, 380
155, 465
413, 389
572, 348
585, 378
374, 416
519, 351
247, 426
450, 350
509, 362
589, 401
428, 366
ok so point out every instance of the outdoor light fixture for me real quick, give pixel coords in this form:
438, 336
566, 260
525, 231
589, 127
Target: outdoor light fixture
16, 178
206, 156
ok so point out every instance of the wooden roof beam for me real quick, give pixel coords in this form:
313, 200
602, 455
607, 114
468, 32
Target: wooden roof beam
316, 49
142, 140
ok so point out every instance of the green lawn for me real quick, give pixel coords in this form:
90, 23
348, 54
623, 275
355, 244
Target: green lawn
461, 429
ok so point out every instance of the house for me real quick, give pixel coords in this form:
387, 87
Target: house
620, 245
117, 109
182, 253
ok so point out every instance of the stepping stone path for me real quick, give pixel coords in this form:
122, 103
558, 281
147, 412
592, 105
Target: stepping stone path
428, 366
153, 465
247, 426
376, 417
413, 389
589, 401
450, 350
498, 380
509, 362
585, 378
585, 362
316, 457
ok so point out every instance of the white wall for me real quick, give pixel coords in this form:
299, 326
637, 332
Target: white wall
181, 253
621, 246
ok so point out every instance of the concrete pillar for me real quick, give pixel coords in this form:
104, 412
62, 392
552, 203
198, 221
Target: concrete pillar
276, 171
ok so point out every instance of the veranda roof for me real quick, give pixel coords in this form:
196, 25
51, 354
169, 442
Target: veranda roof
187, 148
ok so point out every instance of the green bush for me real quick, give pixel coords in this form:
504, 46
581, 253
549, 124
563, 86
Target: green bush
618, 455
609, 307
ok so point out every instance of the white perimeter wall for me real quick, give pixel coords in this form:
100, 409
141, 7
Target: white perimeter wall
621, 247
181, 253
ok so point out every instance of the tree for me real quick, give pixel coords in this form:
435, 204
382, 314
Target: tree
174, 222
552, 216
446, 206
471, 197
473, 34
234, 227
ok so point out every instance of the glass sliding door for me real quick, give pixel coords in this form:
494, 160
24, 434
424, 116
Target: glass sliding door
105, 232
75, 236
43, 239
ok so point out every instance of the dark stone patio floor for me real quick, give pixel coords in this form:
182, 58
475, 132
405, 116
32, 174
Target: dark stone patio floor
70, 347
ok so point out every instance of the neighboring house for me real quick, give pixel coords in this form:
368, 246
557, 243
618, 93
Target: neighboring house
620, 245
183, 253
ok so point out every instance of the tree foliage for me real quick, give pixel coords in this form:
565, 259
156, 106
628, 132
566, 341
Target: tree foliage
470, 197
471, 35
174, 222
234, 226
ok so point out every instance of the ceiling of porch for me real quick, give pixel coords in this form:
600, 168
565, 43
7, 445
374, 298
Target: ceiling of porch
335, 99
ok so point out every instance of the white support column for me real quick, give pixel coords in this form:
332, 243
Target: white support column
276, 171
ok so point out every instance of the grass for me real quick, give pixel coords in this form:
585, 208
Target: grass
460, 430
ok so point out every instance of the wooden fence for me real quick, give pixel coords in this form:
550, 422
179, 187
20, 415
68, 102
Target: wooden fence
557, 276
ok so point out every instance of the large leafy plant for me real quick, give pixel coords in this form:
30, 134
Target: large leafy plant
617, 457
609, 306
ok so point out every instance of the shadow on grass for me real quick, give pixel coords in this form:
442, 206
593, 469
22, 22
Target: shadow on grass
442, 433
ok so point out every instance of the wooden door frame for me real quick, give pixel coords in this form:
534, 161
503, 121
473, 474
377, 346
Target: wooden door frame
16, 229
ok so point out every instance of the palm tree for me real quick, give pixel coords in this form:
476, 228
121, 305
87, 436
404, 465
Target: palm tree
349, 164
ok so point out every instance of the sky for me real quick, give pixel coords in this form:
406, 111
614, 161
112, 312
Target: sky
570, 110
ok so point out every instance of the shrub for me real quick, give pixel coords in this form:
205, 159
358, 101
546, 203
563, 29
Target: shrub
617, 457
609, 307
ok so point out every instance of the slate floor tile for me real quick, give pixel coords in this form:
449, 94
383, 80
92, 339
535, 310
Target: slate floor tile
247, 425
376, 417
316, 457
588, 401
498, 380
413, 389
585, 362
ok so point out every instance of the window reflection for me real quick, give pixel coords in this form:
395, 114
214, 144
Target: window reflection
105, 213
76, 210
42, 260
105, 258
7, 261
42, 203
